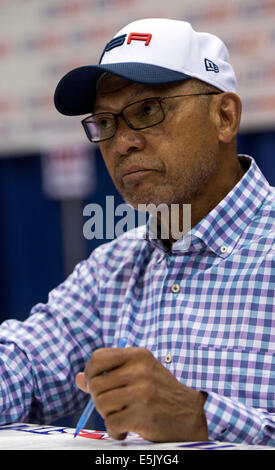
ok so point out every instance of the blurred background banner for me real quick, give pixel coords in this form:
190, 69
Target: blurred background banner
69, 175
68, 172
40, 40
48, 169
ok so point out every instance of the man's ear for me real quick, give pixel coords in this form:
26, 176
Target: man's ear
227, 109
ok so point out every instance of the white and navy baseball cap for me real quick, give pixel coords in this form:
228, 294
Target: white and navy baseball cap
150, 51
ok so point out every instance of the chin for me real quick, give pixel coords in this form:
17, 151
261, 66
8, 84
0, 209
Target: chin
156, 197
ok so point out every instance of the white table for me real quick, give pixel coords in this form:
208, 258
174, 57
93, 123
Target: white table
22, 436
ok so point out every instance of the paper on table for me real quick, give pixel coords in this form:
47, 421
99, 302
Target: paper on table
21, 436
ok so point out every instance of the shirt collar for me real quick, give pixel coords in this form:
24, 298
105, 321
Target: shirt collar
220, 230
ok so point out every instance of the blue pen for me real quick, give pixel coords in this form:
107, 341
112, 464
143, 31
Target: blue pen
89, 408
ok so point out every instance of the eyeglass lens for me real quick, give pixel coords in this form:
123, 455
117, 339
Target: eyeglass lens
139, 115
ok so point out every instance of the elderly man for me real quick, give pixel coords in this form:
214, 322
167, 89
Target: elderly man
199, 361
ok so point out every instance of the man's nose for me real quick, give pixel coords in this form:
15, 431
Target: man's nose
126, 139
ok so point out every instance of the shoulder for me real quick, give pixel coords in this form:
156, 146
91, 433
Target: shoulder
264, 219
258, 236
123, 249
112, 261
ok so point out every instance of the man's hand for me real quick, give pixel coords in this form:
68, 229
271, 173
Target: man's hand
134, 392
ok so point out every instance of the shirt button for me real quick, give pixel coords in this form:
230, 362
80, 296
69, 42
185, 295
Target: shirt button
175, 288
223, 249
168, 358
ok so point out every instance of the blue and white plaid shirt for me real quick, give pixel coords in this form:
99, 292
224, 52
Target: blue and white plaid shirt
206, 313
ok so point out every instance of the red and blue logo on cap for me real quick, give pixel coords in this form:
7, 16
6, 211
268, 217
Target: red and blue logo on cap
120, 40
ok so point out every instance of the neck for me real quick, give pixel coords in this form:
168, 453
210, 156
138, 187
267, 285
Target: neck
213, 192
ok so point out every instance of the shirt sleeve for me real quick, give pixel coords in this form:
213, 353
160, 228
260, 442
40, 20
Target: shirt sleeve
40, 357
233, 421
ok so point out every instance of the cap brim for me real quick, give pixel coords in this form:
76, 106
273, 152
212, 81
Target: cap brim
75, 93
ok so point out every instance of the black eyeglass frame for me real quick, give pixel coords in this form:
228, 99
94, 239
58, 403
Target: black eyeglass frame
121, 113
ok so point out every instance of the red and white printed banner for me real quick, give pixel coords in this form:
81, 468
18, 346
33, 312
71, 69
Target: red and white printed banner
41, 40
68, 172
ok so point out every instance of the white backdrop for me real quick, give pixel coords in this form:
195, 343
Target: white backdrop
40, 40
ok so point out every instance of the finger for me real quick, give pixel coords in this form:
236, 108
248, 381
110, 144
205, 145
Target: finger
116, 425
113, 401
111, 380
115, 435
107, 359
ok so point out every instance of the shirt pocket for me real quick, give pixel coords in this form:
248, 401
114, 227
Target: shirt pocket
247, 375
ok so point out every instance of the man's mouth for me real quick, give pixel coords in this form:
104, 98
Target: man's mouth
135, 173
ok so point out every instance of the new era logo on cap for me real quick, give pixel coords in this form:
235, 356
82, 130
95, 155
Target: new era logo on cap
210, 66
119, 41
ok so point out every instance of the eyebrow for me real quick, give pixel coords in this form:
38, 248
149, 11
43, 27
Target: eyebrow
135, 94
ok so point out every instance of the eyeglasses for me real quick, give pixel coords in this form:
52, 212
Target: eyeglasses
138, 115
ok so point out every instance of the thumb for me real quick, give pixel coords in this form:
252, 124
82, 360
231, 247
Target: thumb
81, 382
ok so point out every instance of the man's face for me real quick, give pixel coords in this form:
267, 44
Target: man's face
169, 163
